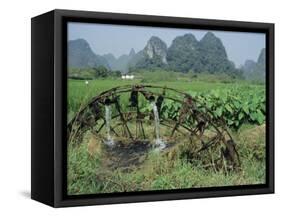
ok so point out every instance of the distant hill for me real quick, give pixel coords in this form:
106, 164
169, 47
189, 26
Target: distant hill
213, 55
255, 70
186, 54
207, 55
183, 54
153, 55
120, 63
80, 55
261, 61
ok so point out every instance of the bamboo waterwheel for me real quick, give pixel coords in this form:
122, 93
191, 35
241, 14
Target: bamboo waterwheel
181, 118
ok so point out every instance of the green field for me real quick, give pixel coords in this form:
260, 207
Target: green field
240, 103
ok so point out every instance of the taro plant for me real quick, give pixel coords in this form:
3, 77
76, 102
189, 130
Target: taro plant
235, 106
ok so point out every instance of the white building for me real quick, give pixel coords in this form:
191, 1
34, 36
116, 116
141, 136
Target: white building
128, 77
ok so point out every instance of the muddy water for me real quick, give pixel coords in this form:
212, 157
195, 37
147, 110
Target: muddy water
129, 156
126, 156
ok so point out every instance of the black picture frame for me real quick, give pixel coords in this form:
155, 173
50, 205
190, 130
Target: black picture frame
49, 90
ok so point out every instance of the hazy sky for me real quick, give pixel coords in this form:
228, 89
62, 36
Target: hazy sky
119, 39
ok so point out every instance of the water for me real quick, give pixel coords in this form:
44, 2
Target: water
158, 141
108, 112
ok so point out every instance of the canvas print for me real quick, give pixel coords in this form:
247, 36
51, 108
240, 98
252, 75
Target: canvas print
154, 108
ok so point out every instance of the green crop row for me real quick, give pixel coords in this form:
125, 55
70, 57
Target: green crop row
234, 106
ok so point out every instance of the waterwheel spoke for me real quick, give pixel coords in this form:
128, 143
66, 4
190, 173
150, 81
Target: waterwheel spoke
117, 105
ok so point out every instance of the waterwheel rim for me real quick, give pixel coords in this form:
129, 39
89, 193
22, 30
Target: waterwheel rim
194, 120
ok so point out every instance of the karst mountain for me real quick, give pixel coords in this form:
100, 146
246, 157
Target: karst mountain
185, 54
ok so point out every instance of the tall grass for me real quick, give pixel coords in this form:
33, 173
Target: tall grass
88, 175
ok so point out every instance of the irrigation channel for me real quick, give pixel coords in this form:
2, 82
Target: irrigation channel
132, 120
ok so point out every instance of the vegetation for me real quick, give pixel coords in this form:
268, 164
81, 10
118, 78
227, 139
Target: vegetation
240, 103
88, 175
92, 73
236, 101
235, 106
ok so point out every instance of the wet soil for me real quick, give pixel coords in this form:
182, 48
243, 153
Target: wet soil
128, 156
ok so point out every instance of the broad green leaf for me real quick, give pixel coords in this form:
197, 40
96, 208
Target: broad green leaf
229, 122
236, 104
241, 116
245, 108
253, 116
260, 117
218, 111
228, 108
